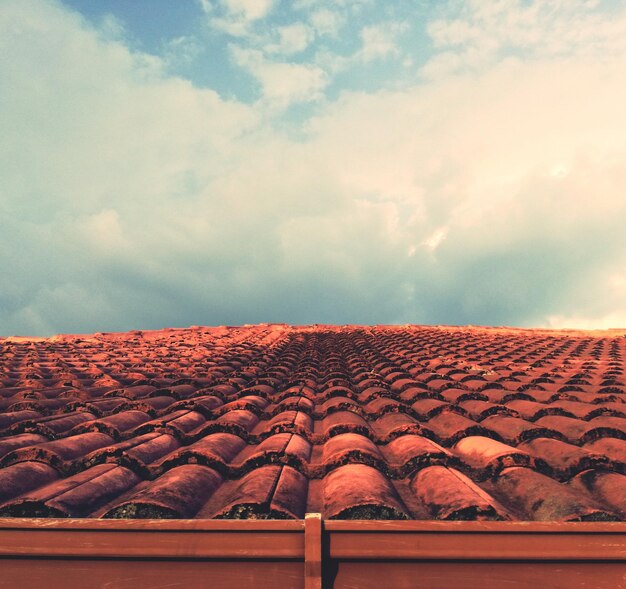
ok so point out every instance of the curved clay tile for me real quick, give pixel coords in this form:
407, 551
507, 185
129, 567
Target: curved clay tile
253, 403
286, 421
283, 448
529, 410
563, 460
608, 487
135, 453
350, 448
612, 448
478, 410
115, 424
410, 453
357, 491
179, 493
514, 430
45, 406
414, 393
293, 403
570, 428
459, 395
449, 427
391, 425
239, 419
488, 456
328, 393
18, 479
107, 405
57, 452
12, 417
75, 496
343, 422
151, 404
55, 425
543, 499
274, 492
14, 442
339, 404
450, 495
570, 408
425, 409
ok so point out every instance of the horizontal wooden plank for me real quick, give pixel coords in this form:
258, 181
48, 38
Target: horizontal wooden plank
149, 574
363, 540
471, 527
370, 545
151, 524
219, 544
329, 525
481, 575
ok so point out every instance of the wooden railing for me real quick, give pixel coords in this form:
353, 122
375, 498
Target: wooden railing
310, 553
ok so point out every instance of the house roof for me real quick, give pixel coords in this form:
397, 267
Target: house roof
274, 421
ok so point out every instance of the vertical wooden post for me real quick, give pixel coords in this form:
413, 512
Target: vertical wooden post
313, 551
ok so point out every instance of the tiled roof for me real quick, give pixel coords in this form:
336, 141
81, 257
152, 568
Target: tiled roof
354, 422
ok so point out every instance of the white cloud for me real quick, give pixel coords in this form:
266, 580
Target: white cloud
380, 41
282, 83
293, 38
181, 50
237, 17
249, 9
326, 22
377, 42
609, 321
130, 198
479, 33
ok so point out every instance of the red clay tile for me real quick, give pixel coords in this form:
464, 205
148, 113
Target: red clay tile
357, 491
489, 456
19, 441
450, 427
609, 487
285, 448
479, 410
272, 421
542, 498
450, 495
275, 492
514, 430
350, 448
179, 493
410, 453
612, 448
391, 425
20, 478
343, 422
75, 496
11, 417
55, 453
563, 460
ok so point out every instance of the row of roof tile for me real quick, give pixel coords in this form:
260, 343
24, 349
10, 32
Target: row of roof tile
272, 421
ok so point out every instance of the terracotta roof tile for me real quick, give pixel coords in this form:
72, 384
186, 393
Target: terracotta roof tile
357, 491
356, 422
544, 499
451, 495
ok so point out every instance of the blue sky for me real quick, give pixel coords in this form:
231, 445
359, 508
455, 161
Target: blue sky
170, 163
201, 40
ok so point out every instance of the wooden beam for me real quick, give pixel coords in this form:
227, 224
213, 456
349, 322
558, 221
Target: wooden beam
313, 551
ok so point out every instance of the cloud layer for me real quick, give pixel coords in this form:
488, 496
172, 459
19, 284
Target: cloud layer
487, 187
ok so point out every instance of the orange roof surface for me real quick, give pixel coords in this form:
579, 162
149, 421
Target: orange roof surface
273, 421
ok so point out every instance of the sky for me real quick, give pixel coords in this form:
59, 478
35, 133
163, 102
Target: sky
209, 162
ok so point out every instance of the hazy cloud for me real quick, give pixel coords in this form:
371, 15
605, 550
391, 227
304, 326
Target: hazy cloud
132, 199
282, 83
